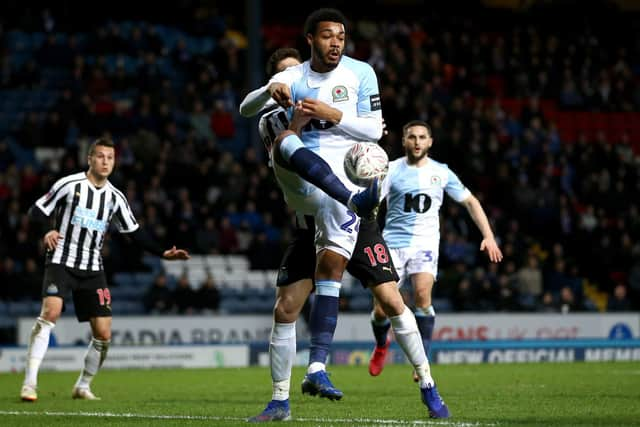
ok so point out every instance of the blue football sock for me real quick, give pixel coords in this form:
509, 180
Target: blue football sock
426, 324
314, 169
323, 319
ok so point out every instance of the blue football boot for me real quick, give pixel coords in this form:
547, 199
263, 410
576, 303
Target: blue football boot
432, 400
276, 410
319, 383
365, 203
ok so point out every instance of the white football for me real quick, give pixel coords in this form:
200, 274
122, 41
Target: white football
365, 161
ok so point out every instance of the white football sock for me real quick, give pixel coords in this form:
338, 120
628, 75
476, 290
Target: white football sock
38, 345
408, 338
282, 352
93, 359
316, 367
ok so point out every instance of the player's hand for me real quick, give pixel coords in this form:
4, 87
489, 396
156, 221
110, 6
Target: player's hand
173, 254
51, 240
281, 93
299, 119
491, 247
320, 110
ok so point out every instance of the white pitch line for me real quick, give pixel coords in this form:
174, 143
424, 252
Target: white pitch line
360, 421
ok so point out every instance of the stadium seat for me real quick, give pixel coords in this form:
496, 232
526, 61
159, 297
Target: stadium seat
237, 262
124, 279
256, 279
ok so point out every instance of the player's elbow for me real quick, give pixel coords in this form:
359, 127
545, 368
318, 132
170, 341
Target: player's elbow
245, 111
470, 202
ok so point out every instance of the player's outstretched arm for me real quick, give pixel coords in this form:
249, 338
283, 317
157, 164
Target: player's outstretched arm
255, 101
144, 240
478, 215
173, 254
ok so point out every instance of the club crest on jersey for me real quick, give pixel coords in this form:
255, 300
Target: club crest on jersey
52, 289
339, 94
435, 180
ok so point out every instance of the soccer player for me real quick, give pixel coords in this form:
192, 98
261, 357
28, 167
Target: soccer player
414, 189
370, 263
83, 205
339, 97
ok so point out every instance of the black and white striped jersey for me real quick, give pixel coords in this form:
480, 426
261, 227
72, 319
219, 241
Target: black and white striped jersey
271, 124
83, 213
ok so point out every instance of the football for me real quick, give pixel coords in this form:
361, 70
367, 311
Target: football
365, 161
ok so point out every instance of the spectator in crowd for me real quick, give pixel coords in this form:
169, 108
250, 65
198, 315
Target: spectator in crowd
158, 299
530, 283
619, 300
184, 297
208, 296
568, 302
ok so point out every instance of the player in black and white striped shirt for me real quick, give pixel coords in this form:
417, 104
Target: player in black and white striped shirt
83, 205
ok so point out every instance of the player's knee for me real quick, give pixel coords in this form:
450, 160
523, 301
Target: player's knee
51, 312
102, 334
276, 152
393, 305
286, 310
423, 298
331, 267
281, 136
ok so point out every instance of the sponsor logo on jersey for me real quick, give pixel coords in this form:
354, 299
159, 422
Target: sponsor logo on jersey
87, 218
339, 94
387, 269
52, 289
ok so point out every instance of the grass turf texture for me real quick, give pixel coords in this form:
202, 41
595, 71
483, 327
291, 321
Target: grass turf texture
576, 394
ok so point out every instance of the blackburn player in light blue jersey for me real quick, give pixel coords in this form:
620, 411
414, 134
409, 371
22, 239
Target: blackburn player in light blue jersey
336, 104
338, 99
414, 191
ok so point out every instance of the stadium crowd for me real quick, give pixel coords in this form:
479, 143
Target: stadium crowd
564, 206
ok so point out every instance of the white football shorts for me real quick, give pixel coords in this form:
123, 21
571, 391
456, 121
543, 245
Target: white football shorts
336, 226
412, 260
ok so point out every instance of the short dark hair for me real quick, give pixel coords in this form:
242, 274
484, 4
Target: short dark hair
279, 55
105, 142
320, 15
413, 123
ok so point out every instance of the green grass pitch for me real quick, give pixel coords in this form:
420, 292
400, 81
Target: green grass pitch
572, 394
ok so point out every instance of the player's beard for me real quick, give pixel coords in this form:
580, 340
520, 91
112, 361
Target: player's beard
413, 159
323, 58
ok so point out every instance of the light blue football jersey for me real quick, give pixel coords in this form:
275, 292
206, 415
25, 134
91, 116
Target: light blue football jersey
414, 196
352, 88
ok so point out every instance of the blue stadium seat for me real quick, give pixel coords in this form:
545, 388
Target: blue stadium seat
124, 279
22, 308
144, 279
232, 305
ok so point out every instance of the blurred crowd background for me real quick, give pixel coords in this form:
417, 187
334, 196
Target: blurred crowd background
536, 106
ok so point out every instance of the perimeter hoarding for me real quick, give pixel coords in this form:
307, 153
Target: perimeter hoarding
180, 330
